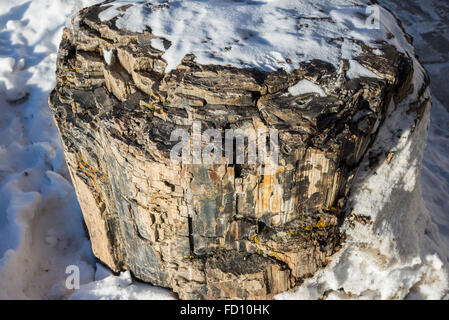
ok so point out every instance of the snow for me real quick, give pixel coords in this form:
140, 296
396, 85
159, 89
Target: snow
7, 64
356, 70
435, 170
402, 254
41, 226
8, 86
158, 44
264, 34
109, 287
305, 86
107, 54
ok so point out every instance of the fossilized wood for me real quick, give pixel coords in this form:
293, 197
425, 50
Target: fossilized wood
221, 231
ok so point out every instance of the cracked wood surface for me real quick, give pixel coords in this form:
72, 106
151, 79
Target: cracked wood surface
212, 231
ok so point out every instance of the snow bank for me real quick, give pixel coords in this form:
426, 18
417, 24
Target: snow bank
109, 287
435, 175
41, 226
399, 253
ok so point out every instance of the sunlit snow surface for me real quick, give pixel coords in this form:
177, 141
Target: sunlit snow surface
403, 255
252, 33
41, 227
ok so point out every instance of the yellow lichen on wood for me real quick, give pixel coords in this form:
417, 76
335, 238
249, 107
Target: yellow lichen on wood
331, 209
254, 239
147, 105
320, 225
74, 69
274, 256
84, 166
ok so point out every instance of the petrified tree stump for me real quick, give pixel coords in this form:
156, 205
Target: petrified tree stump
224, 230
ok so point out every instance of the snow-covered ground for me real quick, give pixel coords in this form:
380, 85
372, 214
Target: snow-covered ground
41, 228
428, 23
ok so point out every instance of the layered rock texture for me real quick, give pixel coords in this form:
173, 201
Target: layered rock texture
223, 231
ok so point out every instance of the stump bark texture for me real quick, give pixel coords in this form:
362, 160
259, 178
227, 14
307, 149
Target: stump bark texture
223, 231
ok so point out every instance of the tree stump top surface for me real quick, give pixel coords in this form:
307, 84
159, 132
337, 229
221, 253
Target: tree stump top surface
266, 34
